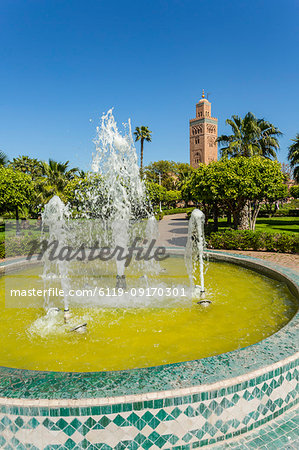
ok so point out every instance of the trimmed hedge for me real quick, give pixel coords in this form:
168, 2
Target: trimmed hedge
253, 240
168, 212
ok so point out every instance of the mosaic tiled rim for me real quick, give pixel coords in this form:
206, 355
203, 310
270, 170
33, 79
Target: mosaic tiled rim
207, 377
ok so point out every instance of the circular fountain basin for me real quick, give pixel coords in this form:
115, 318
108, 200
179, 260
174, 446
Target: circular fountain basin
152, 323
193, 393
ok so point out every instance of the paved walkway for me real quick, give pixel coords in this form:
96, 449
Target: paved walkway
174, 230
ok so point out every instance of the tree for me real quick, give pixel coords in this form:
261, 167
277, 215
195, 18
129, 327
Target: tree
287, 172
3, 159
155, 192
56, 176
16, 191
166, 170
25, 164
142, 134
231, 184
293, 157
173, 175
269, 186
80, 193
183, 171
251, 136
89, 197
203, 188
172, 197
82, 174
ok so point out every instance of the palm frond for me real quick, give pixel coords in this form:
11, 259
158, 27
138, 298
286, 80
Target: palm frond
3, 158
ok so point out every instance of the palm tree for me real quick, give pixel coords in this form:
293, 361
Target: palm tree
57, 176
293, 157
251, 136
142, 134
3, 159
25, 164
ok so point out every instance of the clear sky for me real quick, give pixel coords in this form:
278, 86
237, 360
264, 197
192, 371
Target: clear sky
64, 62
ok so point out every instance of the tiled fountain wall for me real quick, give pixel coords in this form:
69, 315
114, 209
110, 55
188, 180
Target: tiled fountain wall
186, 418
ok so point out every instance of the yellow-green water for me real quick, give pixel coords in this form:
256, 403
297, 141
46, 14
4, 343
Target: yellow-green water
246, 308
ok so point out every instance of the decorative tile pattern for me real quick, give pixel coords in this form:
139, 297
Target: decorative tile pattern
179, 422
280, 433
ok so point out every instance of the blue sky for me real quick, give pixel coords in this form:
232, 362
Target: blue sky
64, 62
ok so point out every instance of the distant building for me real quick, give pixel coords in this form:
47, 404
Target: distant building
203, 134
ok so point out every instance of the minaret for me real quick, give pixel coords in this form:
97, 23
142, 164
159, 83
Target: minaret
203, 134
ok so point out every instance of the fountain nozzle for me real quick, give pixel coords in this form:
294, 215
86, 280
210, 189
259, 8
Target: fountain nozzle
67, 315
199, 292
204, 302
121, 282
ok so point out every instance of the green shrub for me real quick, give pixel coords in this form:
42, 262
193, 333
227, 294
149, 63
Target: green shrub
2, 250
282, 212
253, 240
177, 211
167, 212
159, 215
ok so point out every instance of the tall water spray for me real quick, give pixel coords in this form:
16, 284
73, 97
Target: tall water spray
115, 161
55, 223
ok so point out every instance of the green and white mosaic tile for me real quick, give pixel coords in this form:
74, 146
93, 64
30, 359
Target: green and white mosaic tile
166, 422
280, 433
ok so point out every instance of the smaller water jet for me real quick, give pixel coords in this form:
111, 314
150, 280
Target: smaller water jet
55, 223
194, 256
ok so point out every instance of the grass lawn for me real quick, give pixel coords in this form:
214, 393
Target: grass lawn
278, 224
11, 229
271, 225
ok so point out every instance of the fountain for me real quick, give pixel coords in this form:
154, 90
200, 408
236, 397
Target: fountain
152, 368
